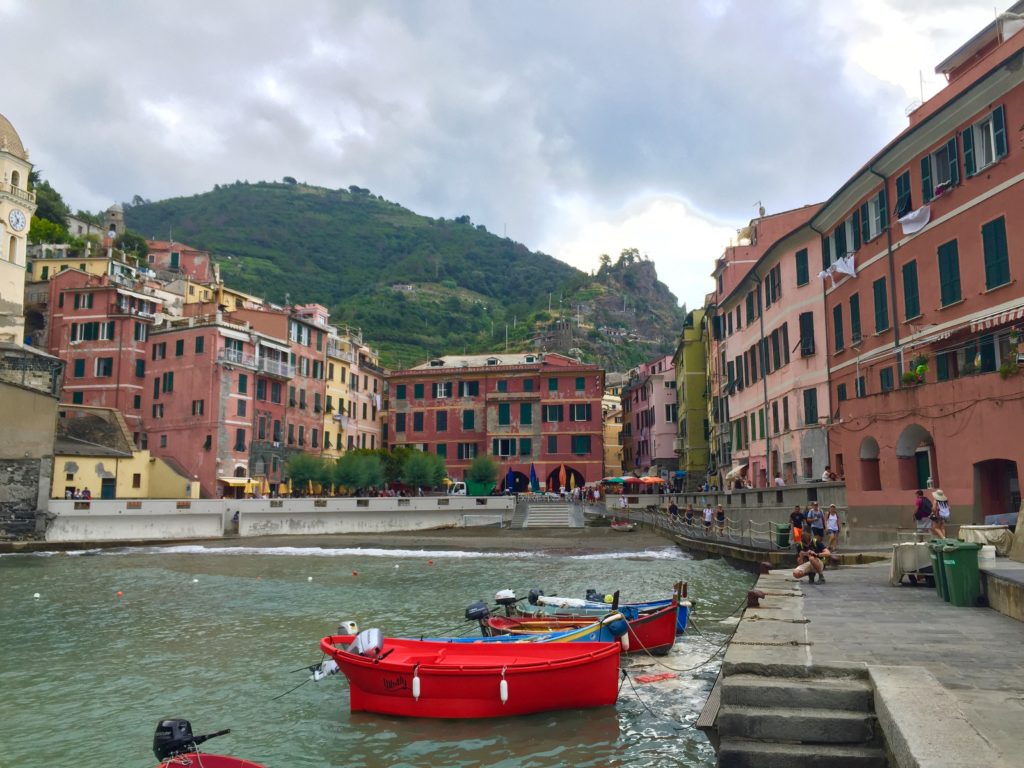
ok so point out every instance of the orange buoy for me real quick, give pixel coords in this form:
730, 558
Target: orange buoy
120, 593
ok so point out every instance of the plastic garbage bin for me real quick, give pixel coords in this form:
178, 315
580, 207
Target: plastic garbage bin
782, 535
938, 570
960, 562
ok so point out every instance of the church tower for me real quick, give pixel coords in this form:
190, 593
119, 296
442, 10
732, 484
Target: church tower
17, 204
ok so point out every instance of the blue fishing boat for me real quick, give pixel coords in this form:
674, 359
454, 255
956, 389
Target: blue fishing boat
595, 603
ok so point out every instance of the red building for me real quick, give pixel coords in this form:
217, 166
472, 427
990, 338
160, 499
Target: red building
526, 410
924, 338
177, 259
100, 328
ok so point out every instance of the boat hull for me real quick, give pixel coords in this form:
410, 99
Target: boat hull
203, 760
652, 632
464, 680
629, 610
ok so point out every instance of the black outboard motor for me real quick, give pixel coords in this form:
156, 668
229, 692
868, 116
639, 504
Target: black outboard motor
478, 611
175, 737
596, 596
534, 594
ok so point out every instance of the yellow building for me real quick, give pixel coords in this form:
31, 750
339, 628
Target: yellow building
17, 204
611, 417
93, 450
340, 362
693, 429
354, 394
48, 259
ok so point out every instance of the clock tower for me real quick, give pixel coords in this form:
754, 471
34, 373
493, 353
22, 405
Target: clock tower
17, 205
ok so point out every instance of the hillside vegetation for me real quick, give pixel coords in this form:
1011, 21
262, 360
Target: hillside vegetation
418, 287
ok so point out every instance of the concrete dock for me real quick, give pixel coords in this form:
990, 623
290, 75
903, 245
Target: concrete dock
946, 683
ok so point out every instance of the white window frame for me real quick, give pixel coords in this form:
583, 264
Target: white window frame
984, 135
940, 168
875, 213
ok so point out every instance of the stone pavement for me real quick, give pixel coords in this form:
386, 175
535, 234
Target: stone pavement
974, 653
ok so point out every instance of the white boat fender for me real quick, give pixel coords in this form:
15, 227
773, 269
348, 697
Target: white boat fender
624, 641
503, 687
326, 668
416, 683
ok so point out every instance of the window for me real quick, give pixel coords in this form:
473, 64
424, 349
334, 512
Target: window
525, 413
553, 413
399, 422
441, 421
468, 419
985, 142
314, 438
291, 434
810, 406
156, 387
241, 407
581, 383
881, 306
855, 319
579, 412
997, 260
466, 451
504, 414
837, 326
527, 385
160, 351
79, 367
859, 387
844, 240
240, 439
502, 385
243, 383
841, 392
440, 389
136, 480
806, 334
417, 391
885, 379
442, 450
940, 170
773, 285
302, 399
317, 405
302, 434
581, 445
949, 273
503, 446
671, 413
803, 273
199, 345
77, 398
525, 446
775, 417
197, 407
179, 347
469, 388
904, 201
874, 217
168, 381
137, 402
785, 413
911, 297
276, 432
163, 441
552, 444
140, 332
552, 385
400, 392
275, 392
261, 389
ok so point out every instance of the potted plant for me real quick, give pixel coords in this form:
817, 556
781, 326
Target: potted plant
910, 379
1008, 368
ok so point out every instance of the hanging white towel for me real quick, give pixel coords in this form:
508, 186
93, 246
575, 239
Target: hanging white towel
917, 220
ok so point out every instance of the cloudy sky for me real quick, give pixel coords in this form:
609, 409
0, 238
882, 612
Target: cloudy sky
577, 127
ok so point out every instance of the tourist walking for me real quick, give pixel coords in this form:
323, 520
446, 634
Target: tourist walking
720, 519
940, 514
832, 527
709, 514
796, 522
816, 520
690, 513
922, 513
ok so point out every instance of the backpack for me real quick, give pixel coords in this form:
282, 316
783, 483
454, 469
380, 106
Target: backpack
925, 510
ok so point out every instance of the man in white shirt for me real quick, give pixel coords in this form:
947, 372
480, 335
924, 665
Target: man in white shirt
827, 474
779, 482
709, 514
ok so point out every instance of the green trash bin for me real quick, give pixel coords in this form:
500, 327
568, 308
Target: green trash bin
960, 562
938, 570
782, 535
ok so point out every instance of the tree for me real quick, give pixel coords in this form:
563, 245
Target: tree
358, 470
305, 467
606, 262
129, 242
46, 231
289, 180
421, 469
482, 470
50, 205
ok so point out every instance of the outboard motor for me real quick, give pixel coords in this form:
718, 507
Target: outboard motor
477, 611
175, 737
596, 596
506, 598
534, 594
368, 643
348, 627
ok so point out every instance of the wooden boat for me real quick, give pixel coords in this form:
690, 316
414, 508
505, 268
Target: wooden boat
623, 526
595, 604
651, 632
175, 746
416, 678
610, 628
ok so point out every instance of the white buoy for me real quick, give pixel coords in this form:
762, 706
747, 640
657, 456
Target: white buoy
416, 686
36, 595
396, 565
309, 578
503, 690
195, 581
624, 640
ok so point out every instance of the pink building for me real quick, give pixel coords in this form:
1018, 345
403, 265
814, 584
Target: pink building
177, 259
650, 414
769, 381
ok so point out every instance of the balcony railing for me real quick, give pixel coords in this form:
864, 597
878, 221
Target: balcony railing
121, 309
236, 357
21, 194
336, 351
276, 368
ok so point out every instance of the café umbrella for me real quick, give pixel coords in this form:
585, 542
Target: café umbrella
534, 484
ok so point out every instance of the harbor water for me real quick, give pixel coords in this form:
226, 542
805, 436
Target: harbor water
217, 634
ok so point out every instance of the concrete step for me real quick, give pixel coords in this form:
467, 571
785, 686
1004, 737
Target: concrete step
798, 693
739, 753
549, 516
810, 724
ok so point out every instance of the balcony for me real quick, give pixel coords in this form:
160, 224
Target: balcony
234, 357
335, 350
17, 193
123, 310
275, 368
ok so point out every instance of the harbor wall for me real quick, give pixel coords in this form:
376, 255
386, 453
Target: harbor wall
169, 519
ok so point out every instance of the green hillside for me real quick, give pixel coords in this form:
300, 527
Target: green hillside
417, 286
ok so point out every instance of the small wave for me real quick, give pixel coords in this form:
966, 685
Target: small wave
195, 549
668, 553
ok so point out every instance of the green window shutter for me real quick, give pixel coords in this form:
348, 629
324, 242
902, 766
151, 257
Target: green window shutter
881, 306
525, 413
883, 208
954, 161
525, 446
855, 318
949, 273
494, 446
400, 392
761, 423
999, 130
79, 368
802, 276
504, 415
417, 391
826, 252
942, 367
856, 229
927, 189
552, 385
467, 419
837, 325
865, 223
904, 203
841, 245
997, 262
968, 138
911, 297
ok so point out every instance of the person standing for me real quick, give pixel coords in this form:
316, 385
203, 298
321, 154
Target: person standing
720, 519
816, 520
673, 512
779, 482
922, 513
832, 527
796, 522
709, 514
690, 513
940, 514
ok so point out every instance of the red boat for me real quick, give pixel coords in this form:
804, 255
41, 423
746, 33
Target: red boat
417, 678
653, 632
175, 746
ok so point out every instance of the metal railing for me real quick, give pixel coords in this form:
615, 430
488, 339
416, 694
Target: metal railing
276, 367
745, 533
236, 357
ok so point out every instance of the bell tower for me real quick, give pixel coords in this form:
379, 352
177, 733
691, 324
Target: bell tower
17, 204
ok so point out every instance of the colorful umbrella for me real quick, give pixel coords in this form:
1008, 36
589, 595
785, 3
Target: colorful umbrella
510, 480
561, 476
534, 484
613, 480
572, 481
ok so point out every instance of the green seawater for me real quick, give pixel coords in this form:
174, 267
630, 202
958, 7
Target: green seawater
213, 635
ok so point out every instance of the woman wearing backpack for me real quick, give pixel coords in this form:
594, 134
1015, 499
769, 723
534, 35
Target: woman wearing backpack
922, 514
940, 514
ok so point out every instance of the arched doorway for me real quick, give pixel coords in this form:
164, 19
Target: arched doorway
915, 457
996, 488
565, 476
520, 482
870, 476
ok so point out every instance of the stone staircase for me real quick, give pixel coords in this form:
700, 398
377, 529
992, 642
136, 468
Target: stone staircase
550, 515
791, 721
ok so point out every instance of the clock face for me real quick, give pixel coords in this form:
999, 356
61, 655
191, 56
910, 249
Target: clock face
17, 220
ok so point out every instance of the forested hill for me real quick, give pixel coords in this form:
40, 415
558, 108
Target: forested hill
416, 286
